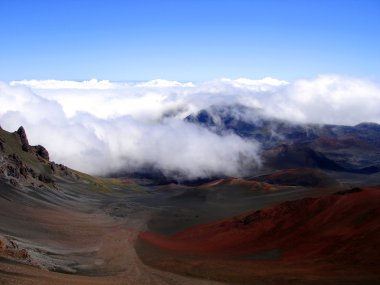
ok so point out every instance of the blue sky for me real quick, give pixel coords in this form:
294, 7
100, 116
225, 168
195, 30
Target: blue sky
188, 40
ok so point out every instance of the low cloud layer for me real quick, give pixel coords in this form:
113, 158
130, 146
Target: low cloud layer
102, 127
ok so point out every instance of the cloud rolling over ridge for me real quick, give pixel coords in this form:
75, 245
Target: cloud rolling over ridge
102, 127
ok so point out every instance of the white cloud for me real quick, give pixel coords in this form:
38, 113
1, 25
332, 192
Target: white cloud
265, 84
136, 134
328, 99
66, 84
160, 83
102, 126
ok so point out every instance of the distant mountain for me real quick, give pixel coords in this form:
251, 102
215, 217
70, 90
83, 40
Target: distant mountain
290, 145
253, 123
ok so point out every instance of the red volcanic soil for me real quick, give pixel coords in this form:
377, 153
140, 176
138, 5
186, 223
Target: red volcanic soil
332, 239
308, 177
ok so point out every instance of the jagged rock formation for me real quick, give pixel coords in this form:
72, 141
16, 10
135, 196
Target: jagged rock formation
41, 152
24, 139
23, 165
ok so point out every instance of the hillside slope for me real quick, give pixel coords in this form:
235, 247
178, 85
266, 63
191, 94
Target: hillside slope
327, 239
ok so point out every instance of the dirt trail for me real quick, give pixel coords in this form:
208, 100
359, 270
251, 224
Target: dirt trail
120, 250
100, 246
135, 271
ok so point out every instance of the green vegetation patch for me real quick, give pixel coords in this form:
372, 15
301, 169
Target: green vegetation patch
106, 184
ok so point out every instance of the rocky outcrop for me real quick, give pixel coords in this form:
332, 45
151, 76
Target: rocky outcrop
42, 152
17, 172
28, 167
45, 178
24, 139
39, 150
12, 171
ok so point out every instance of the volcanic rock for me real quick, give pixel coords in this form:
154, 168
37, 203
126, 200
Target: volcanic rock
14, 182
45, 178
42, 152
24, 139
12, 171
32, 172
16, 159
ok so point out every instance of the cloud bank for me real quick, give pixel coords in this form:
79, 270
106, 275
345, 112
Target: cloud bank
104, 127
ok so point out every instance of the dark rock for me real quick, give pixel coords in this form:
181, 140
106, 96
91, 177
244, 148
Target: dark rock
2, 144
24, 171
45, 178
32, 172
14, 182
62, 167
24, 139
12, 171
53, 167
42, 152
